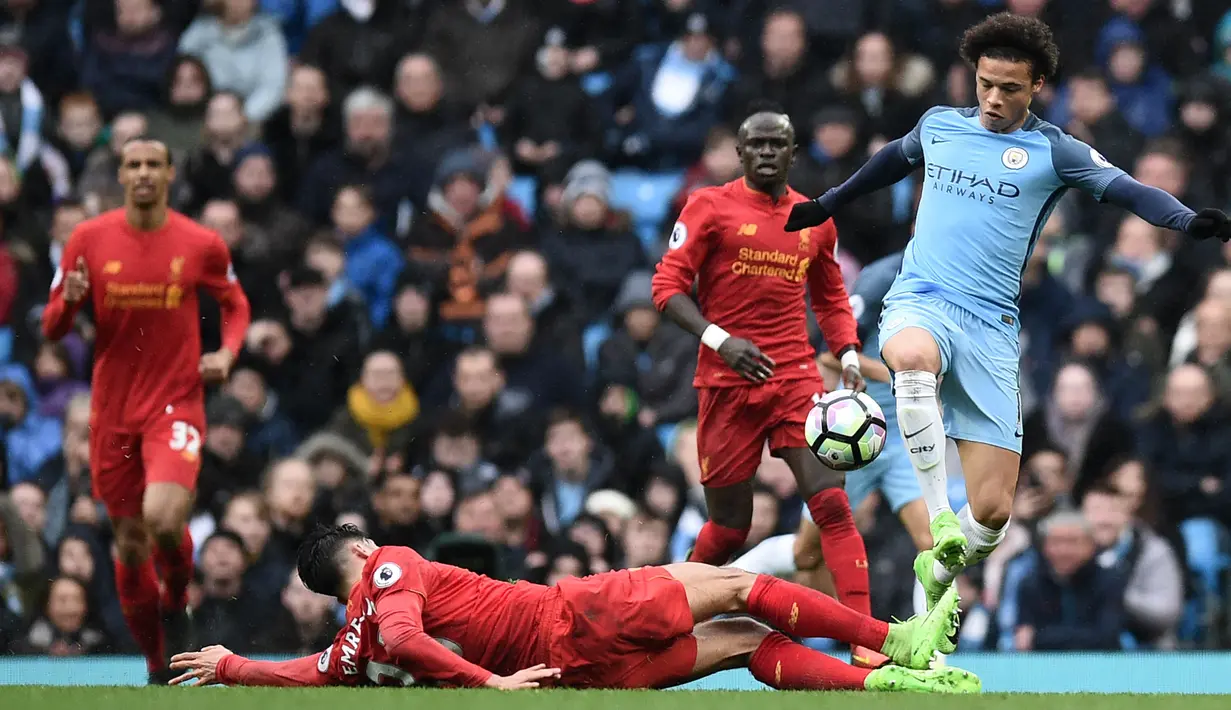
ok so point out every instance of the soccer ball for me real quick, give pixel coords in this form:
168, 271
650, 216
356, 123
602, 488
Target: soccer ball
846, 430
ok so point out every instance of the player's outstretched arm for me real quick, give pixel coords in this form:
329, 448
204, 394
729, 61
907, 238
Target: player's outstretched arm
888, 166
218, 665
1161, 209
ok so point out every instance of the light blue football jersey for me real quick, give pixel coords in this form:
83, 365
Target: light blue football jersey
985, 199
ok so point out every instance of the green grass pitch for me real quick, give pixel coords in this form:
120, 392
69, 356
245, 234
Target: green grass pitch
99, 698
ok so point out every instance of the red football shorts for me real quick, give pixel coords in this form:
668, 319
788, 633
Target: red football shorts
623, 629
733, 424
123, 462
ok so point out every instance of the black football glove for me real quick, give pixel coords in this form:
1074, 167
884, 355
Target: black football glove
1208, 224
806, 214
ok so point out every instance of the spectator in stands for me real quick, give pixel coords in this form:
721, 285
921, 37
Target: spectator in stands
207, 172
269, 222
557, 323
1191, 462
125, 67
99, 186
57, 379
79, 130
465, 241
783, 75
1141, 87
570, 466
304, 623
43, 28
360, 43
67, 626
596, 248
889, 86
719, 165
247, 516
549, 122
270, 433
81, 556
306, 127
437, 497
1154, 596
1213, 347
1204, 107
396, 512
1094, 117
600, 35
225, 613
252, 255
409, 331
1092, 338
1070, 603
289, 490
30, 439
368, 157
312, 358
645, 542
373, 263
482, 45
66, 476
380, 408
539, 377
668, 98
226, 467
652, 357
180, 120
245, 53
427, 117
325, 254
522, 529
1077, 421
1217, 289
620, 427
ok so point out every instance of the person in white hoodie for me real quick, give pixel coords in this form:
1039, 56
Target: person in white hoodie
244, 52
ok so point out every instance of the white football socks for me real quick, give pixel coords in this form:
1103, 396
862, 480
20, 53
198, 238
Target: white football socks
980, 541
924, 434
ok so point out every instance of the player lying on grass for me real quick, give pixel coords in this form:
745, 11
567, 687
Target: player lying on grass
409, 620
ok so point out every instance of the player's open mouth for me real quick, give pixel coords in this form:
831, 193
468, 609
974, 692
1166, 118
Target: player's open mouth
767, 169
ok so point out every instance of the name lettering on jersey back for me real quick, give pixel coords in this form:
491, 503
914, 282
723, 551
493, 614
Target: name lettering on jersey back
349, 658
770, 263
142, 295
970, 185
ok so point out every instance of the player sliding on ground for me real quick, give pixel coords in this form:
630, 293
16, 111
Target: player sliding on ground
409, 620
140, 268
756, 371
992, 176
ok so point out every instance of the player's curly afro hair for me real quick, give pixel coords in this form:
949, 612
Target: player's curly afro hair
320, 557
1016, 38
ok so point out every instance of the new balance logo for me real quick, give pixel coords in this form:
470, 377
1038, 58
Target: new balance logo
747, 230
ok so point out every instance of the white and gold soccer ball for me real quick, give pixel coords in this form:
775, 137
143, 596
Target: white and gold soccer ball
846, 430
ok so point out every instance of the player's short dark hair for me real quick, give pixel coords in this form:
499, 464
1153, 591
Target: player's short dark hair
320, 557
166, 150
1016, 38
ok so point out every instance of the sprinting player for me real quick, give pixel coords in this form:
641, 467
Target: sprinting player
993, 175
140, 267
409, 620
756, 372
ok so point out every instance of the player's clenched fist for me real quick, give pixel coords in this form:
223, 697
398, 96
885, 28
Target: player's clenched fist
525, 678
746, 359
76, 282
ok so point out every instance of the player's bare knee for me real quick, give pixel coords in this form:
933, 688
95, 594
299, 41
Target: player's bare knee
912, 349
807, 554
738, 584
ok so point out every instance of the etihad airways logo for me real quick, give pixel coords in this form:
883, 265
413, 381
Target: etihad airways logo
974, 186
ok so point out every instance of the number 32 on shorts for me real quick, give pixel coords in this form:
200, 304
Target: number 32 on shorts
186, 439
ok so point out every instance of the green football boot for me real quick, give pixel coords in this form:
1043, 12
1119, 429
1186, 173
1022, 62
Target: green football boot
941, 680
914, 642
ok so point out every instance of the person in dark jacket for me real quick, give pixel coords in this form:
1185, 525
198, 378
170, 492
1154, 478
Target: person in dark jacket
557, 322
360, 43
548, 118
482, 45
306, 127
570, 466
1070, 603
428, 118
595, 249
653, 356
125, 67
783, 75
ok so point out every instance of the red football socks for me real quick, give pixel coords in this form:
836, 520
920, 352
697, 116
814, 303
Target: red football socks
842, 548
783, 664
175, 567
137, 586
808, 613
717, 544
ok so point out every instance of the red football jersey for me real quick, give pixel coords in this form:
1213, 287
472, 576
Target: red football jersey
751, 276
143, 287
411, 620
